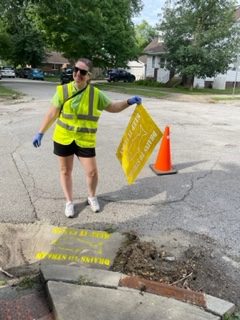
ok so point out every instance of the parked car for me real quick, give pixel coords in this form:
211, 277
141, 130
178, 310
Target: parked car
36, 74
23, 72
66, 75
8, 72
120, 75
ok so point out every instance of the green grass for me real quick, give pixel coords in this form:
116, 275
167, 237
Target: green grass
161, 91
131, 89
3, 283
225, 98
52, 78
235, 316
28, 282
157, 91
8, 93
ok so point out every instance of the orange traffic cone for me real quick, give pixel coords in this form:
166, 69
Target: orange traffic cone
163, 163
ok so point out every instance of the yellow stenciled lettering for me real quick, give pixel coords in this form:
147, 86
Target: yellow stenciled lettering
107, 262
58, 230
73, 258
135, 121
41, 255
95, 260
71, 232
100, 234
83, 233
86, 259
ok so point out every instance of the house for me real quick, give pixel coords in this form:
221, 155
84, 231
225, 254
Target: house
137, 68
156, 62
54, 62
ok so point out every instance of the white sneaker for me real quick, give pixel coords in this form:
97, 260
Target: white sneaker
69, 210
93, 202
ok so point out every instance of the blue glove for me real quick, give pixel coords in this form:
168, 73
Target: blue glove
37, 139
133, 100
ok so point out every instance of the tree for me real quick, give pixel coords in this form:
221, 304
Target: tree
25, 41
201, 37
101, 30
5, 43
145, 33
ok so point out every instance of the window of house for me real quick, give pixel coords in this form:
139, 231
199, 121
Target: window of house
153, 61
162, 63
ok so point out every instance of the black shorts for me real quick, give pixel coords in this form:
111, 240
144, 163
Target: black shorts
70, 149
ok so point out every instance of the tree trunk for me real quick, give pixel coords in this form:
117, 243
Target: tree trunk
187, 81
172, 73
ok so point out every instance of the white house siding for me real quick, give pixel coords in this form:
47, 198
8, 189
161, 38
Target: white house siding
162, 74
221, 80
198, 83
216, 83
149, 68
137, 68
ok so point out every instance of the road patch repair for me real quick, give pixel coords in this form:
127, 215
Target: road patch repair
87, 266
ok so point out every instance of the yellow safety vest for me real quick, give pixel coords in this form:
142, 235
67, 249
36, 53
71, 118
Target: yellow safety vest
80, 124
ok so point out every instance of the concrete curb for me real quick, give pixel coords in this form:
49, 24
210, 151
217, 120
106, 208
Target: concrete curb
80, 275
162, 289
209, 303
114, 280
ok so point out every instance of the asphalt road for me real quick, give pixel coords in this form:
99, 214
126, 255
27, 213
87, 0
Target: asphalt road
202, 198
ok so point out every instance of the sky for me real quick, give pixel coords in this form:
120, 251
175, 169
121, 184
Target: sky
150, 11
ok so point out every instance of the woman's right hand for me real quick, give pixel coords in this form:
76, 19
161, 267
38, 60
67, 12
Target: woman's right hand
37, 139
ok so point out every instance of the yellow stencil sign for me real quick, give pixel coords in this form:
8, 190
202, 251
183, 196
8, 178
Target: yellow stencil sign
138, 142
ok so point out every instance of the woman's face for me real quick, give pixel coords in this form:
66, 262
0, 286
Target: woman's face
80, 74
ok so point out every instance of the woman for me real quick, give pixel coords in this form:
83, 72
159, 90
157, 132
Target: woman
77, 107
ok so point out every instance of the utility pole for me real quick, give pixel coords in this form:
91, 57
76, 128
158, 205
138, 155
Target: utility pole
236, 75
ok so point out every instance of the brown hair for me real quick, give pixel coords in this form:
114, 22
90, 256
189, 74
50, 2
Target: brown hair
87, 63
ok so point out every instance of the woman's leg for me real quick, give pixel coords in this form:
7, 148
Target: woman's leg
66, 167
91, 172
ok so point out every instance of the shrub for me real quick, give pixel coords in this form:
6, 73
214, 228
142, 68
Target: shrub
149, 83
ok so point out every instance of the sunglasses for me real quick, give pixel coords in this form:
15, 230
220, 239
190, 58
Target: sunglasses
82, 71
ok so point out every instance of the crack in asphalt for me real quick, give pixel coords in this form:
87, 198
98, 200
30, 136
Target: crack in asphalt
24, 184
192, 185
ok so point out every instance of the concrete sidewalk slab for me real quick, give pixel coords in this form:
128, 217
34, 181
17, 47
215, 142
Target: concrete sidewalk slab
69, 301
61, 245
109, 279
71, 246
80, 275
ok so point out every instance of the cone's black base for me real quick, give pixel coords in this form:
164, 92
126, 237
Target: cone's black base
161, 173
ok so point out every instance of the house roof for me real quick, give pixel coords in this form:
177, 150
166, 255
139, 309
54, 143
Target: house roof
135, 63
155, 47
143, 59
237, 13
55, 57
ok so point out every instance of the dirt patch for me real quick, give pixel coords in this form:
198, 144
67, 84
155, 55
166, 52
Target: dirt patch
197, 268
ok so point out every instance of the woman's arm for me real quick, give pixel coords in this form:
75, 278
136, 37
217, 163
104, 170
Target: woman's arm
49, 119
121, 105
117, 106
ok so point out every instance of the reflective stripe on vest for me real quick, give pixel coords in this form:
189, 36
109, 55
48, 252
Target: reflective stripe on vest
65, 92
76, 129
78, 124
79, 116
90, 115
